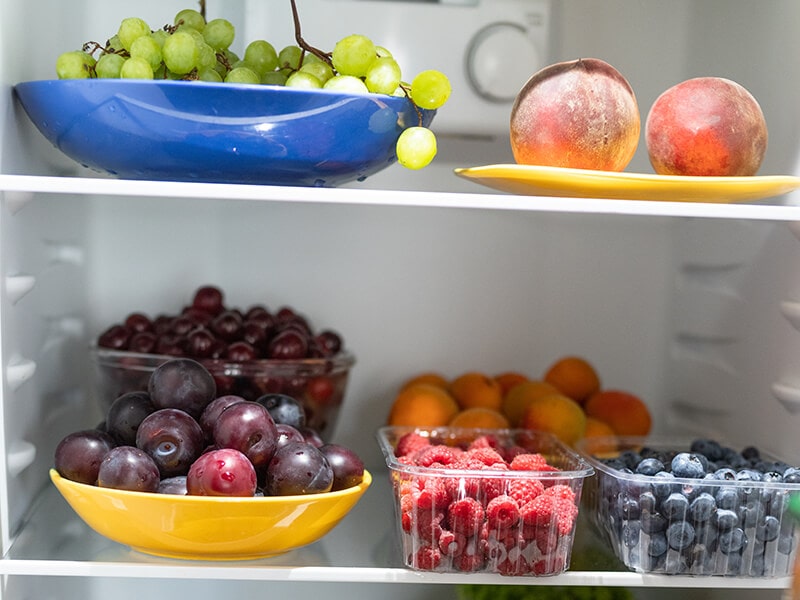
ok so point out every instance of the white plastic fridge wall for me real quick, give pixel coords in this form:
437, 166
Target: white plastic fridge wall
692, 307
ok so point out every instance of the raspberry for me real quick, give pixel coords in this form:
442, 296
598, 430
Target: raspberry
546, 539
512, 451
484, 441
410, 443
502, 512
468, 561
487, 456
524, 490
426, 557
530, 462
539, 511
452, 543
427, 524
434, 493
441, 454
513, 567
465, 516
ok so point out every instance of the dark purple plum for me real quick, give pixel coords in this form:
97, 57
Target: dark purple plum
182, 383
298, 468
222, 472
284, 409
128, 468
312, 437
79, 454
348, 468
249, 428
172, 438
173, 485
212, 412
287, 433
126, 414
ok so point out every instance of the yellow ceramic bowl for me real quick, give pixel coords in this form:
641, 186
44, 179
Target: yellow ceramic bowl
206, 528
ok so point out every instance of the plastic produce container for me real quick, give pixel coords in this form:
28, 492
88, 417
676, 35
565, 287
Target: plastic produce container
734, 526
492, 501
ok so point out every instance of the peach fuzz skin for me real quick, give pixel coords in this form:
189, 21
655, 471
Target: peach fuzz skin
579, 114
706, 126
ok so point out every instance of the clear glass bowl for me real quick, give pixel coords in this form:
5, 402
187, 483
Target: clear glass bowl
319, 384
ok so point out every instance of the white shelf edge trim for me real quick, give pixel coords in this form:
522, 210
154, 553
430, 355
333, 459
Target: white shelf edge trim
369, 196
58, 568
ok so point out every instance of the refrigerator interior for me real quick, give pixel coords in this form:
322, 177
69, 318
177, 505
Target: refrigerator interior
694, 308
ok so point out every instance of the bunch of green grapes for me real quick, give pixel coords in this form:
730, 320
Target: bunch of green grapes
196, 49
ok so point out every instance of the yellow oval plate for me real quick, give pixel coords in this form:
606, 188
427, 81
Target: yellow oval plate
529, 180
205, 527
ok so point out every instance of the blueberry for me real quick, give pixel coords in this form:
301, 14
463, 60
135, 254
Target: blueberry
658, 544
725, 474
750, 453
708, 448
706, 533
630, 458
785, 544
731, 542
647, 502
772, 475
652, 523
768, 529
675, 563
631, 531
686, 464
734, 563
662, 485
680, 535
791, 475
649, 466
702, 507
726, 519
675, 507
630, 509
727, 498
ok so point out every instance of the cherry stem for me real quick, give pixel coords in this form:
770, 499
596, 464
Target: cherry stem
325, 56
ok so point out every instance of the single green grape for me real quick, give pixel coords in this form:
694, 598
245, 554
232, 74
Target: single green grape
159, 35
290, 57
317, 68
136, 67
261, 56
242, 75
430, 89
209, 75
131, 28
274, 78
147, 47
353, 55
382, 52
180, 52
75, 65
114, 43
191, 18
416, 147
303, 80
109, 65
219, 33
206, 57
383, 76
346, 84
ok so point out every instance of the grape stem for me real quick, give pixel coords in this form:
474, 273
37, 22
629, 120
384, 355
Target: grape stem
202, 10
325, 56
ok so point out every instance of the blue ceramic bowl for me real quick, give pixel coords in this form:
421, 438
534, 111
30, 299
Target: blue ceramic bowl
222, 133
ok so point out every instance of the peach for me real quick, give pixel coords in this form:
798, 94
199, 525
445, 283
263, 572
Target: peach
706, 126
581, 114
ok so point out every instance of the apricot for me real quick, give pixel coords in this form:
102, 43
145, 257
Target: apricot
556, 414
706, 126
580, 114
624, 412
